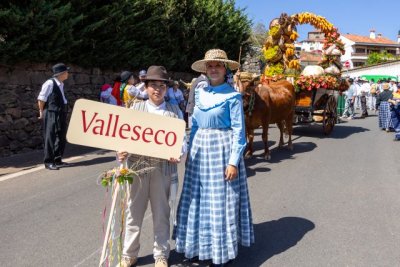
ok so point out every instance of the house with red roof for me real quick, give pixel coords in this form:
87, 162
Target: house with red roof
358, 47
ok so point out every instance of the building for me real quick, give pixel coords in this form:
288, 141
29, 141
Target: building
310, 58
391, 68
358, 47
314, 41
309, 51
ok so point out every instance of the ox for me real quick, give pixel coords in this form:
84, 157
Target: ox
264, 104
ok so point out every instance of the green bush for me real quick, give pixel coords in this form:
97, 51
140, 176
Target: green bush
120, 34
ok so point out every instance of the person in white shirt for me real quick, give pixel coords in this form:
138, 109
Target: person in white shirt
372, 94
142, 77
364, 91
393, 86
155, 186
53, 111
357, 85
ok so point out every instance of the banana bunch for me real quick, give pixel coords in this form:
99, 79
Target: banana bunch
294, 36
294, 64
289, 52
318, 22
291, 46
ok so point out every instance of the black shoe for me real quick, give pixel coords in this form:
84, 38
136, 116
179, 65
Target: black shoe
52, 167
62, 164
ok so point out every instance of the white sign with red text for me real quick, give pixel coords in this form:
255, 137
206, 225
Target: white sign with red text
117, 128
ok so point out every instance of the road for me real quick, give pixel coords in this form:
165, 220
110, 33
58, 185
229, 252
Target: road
332, 201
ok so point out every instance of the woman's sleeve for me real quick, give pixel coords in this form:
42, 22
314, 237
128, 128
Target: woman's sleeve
238, 128
184, 144
378, 101
193, 130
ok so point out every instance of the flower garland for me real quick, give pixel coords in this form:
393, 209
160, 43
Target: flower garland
309, 83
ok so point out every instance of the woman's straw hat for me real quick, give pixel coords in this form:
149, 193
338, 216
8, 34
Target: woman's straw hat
214, 55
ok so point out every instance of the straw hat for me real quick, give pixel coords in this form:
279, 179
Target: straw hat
385, 86
214, 55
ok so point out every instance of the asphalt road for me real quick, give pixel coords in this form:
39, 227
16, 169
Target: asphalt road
332, 201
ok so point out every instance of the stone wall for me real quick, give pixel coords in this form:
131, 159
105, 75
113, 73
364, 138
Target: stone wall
20, 129
251, 61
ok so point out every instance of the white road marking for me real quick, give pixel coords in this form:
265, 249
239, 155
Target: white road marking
88, 257
41, 167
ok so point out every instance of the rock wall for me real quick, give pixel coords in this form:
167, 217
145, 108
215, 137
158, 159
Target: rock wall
251, 62
20, 129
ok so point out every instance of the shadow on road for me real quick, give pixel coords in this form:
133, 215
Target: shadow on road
272, 238
277, 155
340, 131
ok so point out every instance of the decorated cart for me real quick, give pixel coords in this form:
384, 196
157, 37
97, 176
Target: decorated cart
317, 86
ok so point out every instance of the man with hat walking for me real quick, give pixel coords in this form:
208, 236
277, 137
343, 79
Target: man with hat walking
365, 89
53, 111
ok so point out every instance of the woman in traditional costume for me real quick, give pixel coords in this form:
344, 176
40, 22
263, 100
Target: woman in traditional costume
214, 214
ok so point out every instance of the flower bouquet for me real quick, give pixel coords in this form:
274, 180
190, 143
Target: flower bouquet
120, 175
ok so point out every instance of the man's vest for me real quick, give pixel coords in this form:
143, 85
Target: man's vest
55, 101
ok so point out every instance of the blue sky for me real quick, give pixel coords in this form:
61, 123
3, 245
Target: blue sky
350, 16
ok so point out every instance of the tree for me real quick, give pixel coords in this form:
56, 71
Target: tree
376, 58
120, 34
258, 35
37, 30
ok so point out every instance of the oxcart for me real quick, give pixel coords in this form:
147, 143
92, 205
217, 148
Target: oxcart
317, 106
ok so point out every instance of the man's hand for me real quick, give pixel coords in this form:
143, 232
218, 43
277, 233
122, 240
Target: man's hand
40, 115
231, 172
172, 160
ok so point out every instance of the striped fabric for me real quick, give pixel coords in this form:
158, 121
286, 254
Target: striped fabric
385, 120
214, 215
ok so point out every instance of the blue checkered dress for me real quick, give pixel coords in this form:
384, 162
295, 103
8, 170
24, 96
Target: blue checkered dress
214, 215
385, 120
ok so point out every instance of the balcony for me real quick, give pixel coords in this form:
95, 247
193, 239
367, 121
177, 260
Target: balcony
359, 54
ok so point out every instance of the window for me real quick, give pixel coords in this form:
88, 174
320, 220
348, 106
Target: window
360, 50
358, 64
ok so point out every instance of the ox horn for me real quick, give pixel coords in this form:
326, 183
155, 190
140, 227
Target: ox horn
187, 85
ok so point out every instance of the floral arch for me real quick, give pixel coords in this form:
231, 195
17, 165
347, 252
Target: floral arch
281, 60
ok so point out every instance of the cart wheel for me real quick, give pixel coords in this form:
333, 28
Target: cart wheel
330, 115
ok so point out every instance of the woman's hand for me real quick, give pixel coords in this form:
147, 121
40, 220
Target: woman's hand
122, 156
172, 160
231, 172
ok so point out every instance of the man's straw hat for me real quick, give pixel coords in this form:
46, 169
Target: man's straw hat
214, 55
